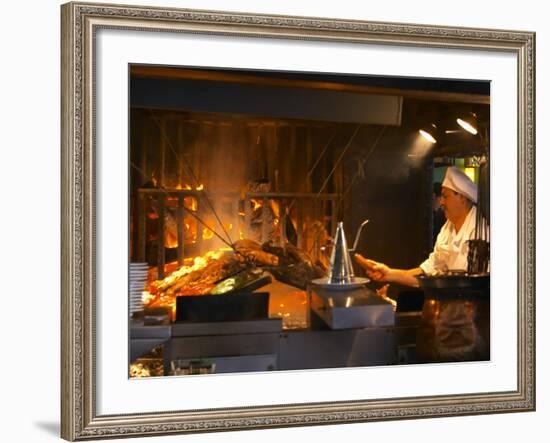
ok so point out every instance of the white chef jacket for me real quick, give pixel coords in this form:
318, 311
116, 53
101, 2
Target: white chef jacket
451, 247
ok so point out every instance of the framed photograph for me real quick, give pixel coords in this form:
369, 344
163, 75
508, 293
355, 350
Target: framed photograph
275, 221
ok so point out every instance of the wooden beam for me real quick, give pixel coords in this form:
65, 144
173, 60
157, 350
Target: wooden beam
162, 164
310, 195
160, 249
300, 226
309, 158
266, 221
231, 77
141, 228
283, 221
181, 238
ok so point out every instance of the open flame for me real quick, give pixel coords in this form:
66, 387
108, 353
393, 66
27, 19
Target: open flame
207, 234
190, 203
188, 187
147, 297
158, 293
257, 204
170, 242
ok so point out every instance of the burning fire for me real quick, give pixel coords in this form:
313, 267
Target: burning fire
257, 204
207, 234
137, 370
158, 296
190, 203
198, 263
147, 297
170, 242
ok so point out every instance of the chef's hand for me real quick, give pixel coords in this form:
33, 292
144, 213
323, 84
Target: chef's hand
376, 271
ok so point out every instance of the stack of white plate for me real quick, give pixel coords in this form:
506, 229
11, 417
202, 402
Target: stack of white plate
138, 278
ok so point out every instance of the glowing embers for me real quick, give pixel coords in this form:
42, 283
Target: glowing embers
289, 304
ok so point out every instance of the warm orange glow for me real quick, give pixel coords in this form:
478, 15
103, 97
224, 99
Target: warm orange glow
200, 187
146, 297
190, 203
193, 264
207, 234
160, 293
257, 204
170, 242
190, 229
137, 370
291, 306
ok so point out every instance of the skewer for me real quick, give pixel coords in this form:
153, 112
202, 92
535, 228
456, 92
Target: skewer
357, 174
164, 192
190, 172
310, 172
339, 159
206, 226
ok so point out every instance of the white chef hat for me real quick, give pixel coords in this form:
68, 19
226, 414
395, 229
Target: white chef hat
459, 182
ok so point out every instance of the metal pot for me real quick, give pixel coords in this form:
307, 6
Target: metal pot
455, 280
455, 319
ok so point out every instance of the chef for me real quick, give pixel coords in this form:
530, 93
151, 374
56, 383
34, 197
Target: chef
458, 199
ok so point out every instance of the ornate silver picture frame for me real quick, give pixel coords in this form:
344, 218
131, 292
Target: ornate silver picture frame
81, 22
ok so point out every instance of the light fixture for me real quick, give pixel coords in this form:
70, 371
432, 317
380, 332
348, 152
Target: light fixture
468, 123
471, 172
429, 132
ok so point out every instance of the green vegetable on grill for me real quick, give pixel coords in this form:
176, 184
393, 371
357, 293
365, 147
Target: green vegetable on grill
236, 282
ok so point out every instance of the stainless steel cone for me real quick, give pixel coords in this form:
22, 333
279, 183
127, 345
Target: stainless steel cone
341, 270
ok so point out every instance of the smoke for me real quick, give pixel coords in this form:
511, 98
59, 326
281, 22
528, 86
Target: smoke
390, 163
420, 148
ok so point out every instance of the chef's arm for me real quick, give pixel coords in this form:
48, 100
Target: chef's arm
405, 277
381, 272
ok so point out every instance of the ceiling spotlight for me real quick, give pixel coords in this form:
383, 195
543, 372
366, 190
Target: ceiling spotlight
429, 132
468, 123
